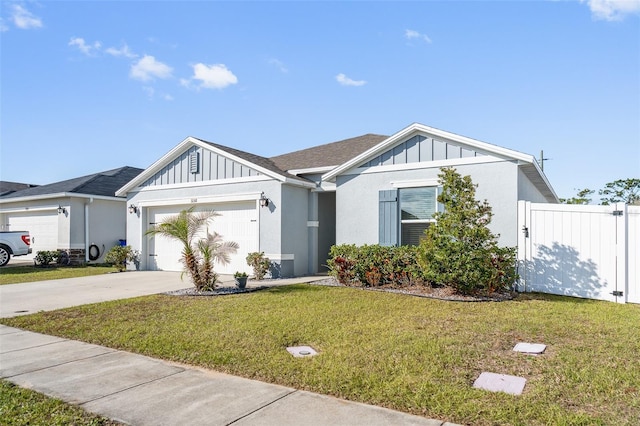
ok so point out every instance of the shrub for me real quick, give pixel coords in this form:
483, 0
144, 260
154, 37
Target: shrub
374, 265
45, 257
118, 256
259, 263
459, 249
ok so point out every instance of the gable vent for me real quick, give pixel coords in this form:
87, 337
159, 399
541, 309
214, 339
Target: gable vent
194, 163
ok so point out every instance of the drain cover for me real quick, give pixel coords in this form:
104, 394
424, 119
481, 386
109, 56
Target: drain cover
301, 351
530, 348
500, 383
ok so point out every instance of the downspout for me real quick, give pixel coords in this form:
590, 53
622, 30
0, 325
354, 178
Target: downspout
86, 230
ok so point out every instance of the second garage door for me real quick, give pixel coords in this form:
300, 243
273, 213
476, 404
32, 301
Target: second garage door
42, 227
238, 221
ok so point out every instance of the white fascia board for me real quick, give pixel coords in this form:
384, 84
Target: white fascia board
29, 209
416, 128
158, 165
155, 167
242, 161
214, 199
61, 195
543, 177
303, 184
311, 170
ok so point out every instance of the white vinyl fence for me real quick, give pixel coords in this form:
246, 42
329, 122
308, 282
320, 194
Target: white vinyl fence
583, 251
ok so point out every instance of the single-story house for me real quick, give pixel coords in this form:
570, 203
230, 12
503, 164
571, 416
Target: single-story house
365, 190
80, 216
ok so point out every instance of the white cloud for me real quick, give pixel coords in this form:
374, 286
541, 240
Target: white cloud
411, 35
612, 10
216, 76
346, 81
278, 64
148, 68
24, 19
123, 51
3, 27
85, 48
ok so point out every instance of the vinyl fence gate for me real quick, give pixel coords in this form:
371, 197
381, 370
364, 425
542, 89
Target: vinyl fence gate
583, 251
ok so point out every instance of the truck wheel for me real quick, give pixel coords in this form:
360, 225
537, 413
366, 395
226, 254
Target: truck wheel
4, 256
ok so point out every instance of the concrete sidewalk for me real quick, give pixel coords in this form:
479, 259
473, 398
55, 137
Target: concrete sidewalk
139, 390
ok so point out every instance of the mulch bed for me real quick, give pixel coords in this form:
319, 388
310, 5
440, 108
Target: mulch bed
441, 293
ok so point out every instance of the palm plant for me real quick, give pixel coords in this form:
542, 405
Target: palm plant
198, 255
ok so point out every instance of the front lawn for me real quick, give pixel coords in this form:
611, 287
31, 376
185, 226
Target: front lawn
20, 406
25, 274
407, 353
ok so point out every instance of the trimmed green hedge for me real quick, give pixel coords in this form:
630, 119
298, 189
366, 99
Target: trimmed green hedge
374, 265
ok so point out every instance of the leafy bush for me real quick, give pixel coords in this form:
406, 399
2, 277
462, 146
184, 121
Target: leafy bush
459, 250
374, 265
45, 257
259, 263
119, 255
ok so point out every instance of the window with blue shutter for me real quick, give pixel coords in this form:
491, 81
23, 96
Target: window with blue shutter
388, 217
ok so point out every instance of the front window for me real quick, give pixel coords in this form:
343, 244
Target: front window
417, 206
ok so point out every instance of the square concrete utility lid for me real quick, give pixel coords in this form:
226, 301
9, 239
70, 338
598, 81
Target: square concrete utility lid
301, 351
530, 348
500, 383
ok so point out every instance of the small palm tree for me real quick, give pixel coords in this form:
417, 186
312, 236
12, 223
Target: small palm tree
198, 255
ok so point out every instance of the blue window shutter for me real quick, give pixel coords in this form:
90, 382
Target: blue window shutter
388, 217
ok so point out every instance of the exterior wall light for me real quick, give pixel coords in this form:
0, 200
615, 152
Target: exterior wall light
264, 201
62, 210
133, 209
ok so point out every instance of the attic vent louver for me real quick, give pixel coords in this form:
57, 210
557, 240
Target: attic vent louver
194, 163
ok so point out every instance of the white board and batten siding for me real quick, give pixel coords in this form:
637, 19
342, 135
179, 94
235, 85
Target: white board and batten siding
581, 251
237, 221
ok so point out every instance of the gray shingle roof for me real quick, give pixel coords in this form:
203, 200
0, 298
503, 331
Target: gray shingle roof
263, 162
331, 154
7, 187
104, 184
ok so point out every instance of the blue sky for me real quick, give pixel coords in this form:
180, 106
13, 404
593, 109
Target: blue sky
91, 86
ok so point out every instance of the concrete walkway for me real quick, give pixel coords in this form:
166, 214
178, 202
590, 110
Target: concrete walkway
28, 298
139, 390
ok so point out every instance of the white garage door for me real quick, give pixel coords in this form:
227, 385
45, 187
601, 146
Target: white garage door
237, 222
42, 226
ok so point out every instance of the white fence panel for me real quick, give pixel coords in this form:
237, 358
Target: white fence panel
581, 251
633, 250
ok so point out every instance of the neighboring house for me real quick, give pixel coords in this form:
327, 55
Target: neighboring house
72, 215
9, 187
365, 190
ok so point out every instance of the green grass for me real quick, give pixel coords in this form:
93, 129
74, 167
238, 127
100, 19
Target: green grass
411, 354
25, 274
20, 406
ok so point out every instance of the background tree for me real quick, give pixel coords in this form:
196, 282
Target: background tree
582, 197
198, 254
459, 249
621, 191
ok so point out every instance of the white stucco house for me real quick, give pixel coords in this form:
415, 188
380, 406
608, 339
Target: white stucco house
81, 216
365, 190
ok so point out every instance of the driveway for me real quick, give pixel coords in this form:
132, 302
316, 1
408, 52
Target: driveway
27, 298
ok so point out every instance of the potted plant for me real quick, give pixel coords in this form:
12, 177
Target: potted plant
241, 279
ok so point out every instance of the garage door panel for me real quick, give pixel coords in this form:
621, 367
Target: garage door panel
236, 222
42, 227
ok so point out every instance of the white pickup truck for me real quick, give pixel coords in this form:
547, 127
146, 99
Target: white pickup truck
14, 243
